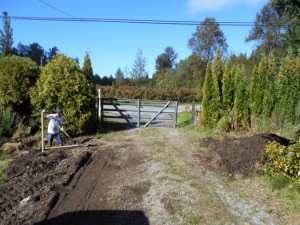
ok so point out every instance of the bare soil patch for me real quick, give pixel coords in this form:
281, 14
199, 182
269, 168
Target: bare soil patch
137, 177
238, 156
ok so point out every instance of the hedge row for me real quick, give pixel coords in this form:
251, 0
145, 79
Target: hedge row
131, 92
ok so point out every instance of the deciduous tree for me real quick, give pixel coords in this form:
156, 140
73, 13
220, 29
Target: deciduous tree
207, 39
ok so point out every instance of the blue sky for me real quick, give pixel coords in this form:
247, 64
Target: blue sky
115, 45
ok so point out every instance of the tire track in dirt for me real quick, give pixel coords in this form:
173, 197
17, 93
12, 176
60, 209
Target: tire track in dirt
99, 195
150, 176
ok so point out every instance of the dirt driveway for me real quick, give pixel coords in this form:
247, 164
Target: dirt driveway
138, 177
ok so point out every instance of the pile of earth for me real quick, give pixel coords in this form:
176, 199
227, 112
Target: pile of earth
31, 189
238, 156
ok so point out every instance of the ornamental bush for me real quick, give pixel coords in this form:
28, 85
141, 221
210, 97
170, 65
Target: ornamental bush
62, 84
17, 76
284, 160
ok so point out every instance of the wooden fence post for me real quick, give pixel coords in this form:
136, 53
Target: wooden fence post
138, 112
42, 124
100, 106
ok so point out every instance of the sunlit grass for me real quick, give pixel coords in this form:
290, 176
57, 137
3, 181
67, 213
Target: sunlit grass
193, 132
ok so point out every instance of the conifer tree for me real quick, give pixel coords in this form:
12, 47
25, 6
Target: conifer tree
88, 72
269, 96
288, 89
211, 99
6, 36
218, 70
87, 69
240, 108
227, 90
255, 96
62, 84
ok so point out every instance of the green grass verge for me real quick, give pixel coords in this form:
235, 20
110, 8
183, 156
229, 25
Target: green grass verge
5, 161
184, 122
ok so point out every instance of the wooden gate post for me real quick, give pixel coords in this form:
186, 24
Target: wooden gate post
42, 127
199, 118
100, 106
138, 112
176, 114
193, 112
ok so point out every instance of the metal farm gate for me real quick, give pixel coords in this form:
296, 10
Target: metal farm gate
138, 113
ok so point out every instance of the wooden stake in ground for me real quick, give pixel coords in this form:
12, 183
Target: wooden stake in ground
42, 127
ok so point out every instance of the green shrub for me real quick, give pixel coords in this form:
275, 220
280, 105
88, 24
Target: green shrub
62, 84
17, 76
284, 160
6, 122
224, 124
277, 161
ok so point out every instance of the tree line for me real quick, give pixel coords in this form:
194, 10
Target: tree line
237, 91
269, 100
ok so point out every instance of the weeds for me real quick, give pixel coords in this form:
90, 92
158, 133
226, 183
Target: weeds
6, 122
5, 160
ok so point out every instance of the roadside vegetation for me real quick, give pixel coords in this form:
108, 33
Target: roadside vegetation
240, 95
273, 180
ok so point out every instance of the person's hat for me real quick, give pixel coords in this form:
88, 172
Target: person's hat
60, 111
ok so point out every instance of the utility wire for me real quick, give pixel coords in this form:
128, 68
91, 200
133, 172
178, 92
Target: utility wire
139, 21
51, 6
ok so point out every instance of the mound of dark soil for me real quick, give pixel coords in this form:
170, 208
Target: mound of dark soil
238, 155
28, 195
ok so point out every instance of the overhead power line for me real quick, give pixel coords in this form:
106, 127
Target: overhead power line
51, 6
139, 21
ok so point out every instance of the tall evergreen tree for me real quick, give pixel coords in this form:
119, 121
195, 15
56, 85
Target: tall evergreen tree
218, 70
269, 97
227, 90
62, 84
240, 108
256, 94
211, 99
6, 36
119, 77
87, 68
139, 67
288, 92
269, 32
89, 75
289, 11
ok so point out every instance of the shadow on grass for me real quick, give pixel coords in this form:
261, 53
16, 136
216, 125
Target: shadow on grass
99, 217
